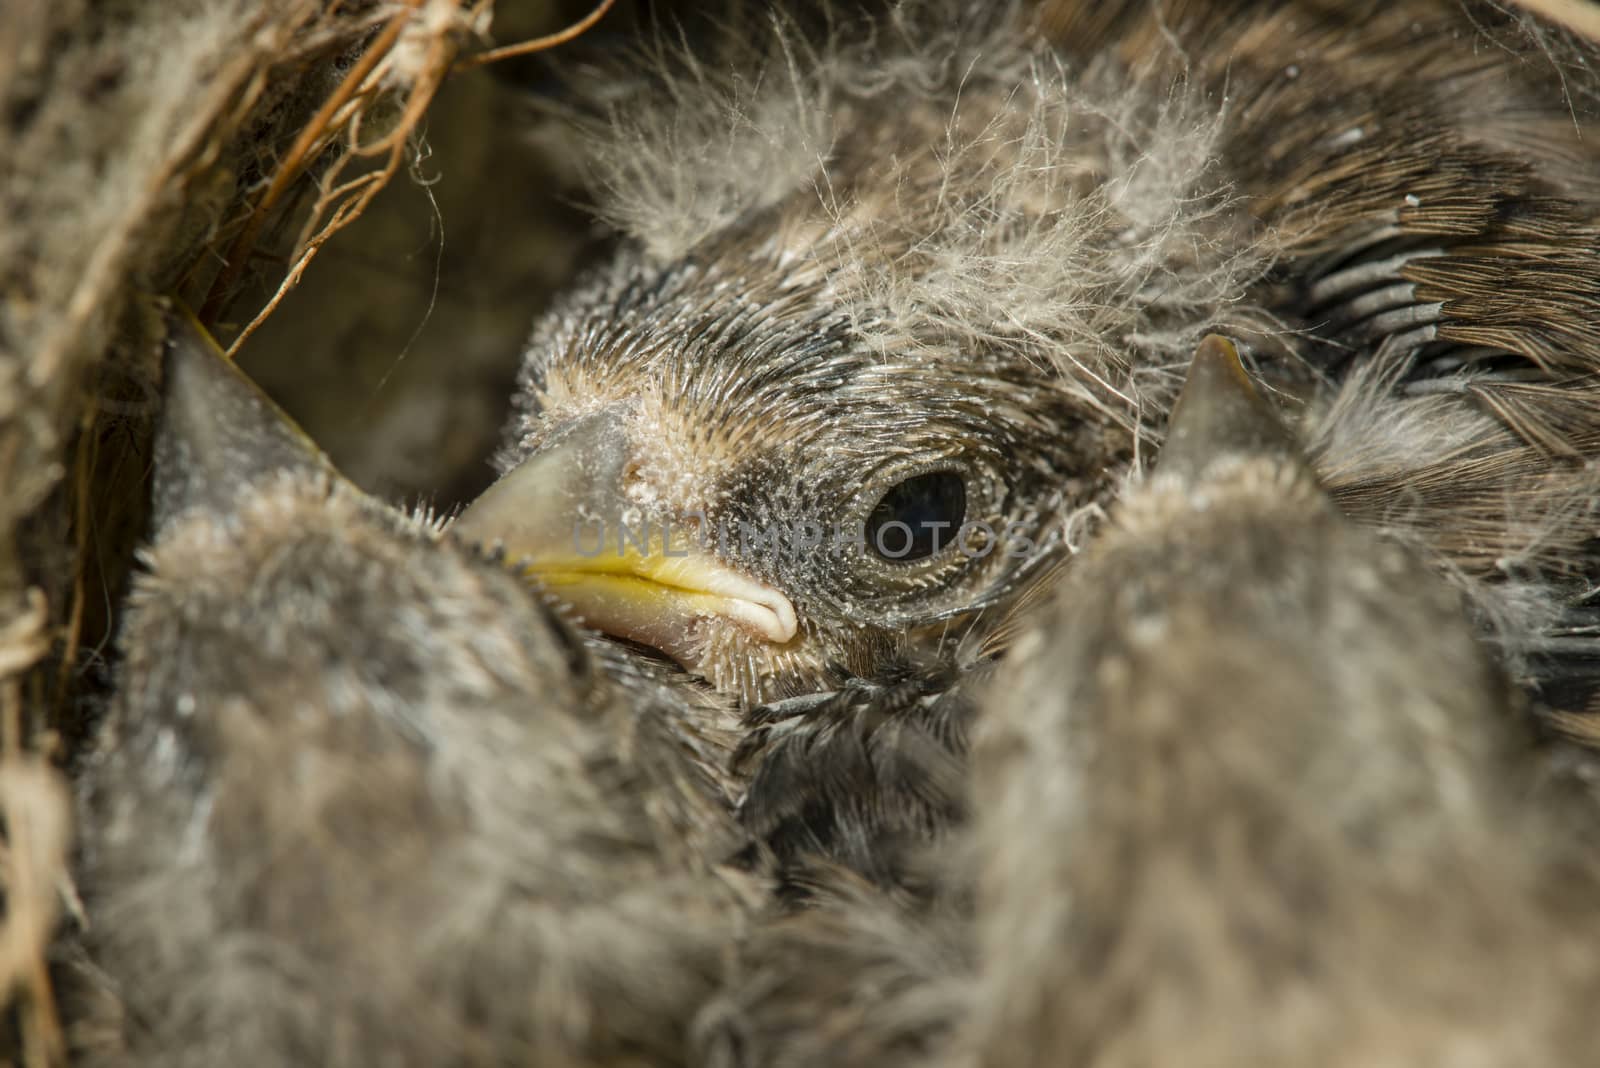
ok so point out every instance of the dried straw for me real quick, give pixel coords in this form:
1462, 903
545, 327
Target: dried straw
145, 149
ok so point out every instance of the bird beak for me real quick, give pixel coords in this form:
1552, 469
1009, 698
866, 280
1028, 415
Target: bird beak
561, 516
1219, 413
219, 433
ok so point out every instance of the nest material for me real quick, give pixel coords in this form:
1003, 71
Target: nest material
208, 149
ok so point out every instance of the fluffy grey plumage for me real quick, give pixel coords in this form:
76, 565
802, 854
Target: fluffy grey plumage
363, 799
859, 977
1259, 797
945, 263
1255, 795
867, 777
983, 239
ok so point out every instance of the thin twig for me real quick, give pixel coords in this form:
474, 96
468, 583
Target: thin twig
537, 44
299, 157
82, 477
355, 195
36, 814
339, 204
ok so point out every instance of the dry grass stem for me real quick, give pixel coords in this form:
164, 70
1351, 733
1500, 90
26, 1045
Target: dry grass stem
409, 59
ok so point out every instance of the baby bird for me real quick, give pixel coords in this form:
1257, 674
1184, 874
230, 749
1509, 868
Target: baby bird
902, 304
1255, 795
363, 798
1259, 796
903, 301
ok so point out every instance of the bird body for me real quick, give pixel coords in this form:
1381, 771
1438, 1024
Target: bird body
1254, 793
901, 305
947, 265
1261, 796
364, 798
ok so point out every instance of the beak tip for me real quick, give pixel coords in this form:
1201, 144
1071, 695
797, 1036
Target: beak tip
788, 624
1219, 412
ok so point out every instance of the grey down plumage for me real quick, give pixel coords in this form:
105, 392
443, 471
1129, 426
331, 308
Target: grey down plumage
1276, 751
985, 239
363, 800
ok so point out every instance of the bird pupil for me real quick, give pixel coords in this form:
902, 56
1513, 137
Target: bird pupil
918, 517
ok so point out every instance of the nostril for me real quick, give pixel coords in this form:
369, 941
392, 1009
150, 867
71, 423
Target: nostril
639, 484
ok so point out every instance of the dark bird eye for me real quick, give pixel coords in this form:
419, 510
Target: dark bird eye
918, 517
